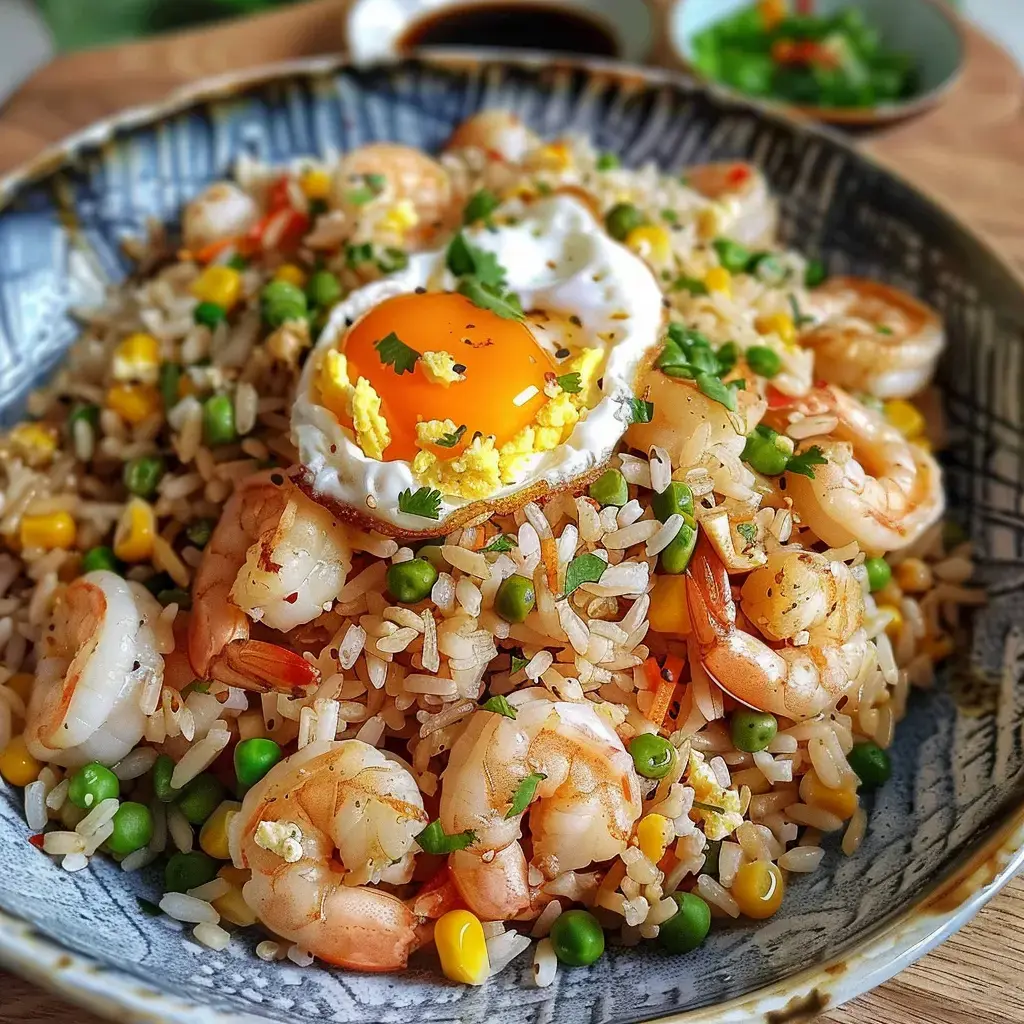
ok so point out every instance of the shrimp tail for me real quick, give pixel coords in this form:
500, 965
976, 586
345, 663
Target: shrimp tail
709, 596
256, 665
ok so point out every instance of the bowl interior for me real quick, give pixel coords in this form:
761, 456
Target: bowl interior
958, 759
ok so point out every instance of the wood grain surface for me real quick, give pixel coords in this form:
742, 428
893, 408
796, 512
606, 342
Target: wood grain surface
968, 153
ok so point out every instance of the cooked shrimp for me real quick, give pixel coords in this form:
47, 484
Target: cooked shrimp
681, 409
97, 654
583, 810
796, 682
277, 558
223, 211
746, 210
498, 133
876, 488
318, 831
873, 338
410, 176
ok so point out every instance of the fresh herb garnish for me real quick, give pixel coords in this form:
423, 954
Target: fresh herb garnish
395, 353
373, 185
452, 439
688, 353
503, 542
582, 569
425, 502
571, 383
356, 254
196, 686
883, 329
670, 216
798, 317
805, 462
543, 188
640, 410
718, 391
748, 531
486, 297
434, 839
465, 260
498, 705
480, 206
606, 162
392, 259
519, 662
815, 273
693, 285
701, 806
525, 793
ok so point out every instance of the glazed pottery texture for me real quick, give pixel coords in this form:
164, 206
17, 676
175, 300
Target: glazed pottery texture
958, 757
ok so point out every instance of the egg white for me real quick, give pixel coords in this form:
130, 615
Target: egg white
558, 259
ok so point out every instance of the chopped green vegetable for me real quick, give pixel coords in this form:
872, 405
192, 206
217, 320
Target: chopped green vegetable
524, 793
752, 731
577, 938
92, 784
465, 260
133, 828
570, 383
395, 353
254, 758
201, 797
487, 297
871, 763
748, 531
499, 705
798, 317
518, 663
189, 871
733, 256
610, 488
168, 380
586, 568
764, 361
718, 390
480, 206
142, 475
621, 219
199, 532
815, 273
693, 285
209, 314
607, 162
640, 410
100, 558
425, 502
434, 839
503, 542
688, 927
805, 462
163, 769
450, 440
358, 253
390, 260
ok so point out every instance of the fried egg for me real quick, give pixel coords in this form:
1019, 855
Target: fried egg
414, 387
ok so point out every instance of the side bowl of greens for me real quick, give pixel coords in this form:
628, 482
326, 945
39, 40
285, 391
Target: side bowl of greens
856, 62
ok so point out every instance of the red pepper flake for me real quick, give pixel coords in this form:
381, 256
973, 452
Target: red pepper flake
292, 598
36, 840
738, 174
776, 399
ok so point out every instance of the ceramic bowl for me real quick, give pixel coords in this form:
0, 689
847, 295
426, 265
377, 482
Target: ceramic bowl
926, 29
945, 832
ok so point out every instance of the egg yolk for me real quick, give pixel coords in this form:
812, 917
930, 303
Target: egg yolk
503, 365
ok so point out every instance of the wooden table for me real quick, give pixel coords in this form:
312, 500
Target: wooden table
969, 153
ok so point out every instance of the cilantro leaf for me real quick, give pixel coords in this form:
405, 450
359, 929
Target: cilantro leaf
805, 462
452, 439
503, 542
465, 260
748, 531
883, 329
570, 383
395, 353
425, 502
434, 839
480, 206
583, 569
356, 254
693, 285
487, 297
524, 793
640, 411
373, 185
196, 686
717, 390
498, 705
798, 317
518, 663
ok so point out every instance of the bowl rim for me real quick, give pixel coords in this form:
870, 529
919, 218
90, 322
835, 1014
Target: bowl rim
881, 113
994, 857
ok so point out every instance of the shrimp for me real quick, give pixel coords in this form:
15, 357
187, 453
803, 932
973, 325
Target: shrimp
409, 175
876, 488
498, 133
874, 338
681, 409
318, 831
795, 682
97, 654
222, 212
583, 812
747, 212
275, 557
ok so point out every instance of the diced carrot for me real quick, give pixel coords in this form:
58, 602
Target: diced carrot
208, 253
664, 680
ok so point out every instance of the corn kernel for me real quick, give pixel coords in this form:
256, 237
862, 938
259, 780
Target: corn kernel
938, 648
21, 684
213, 836
50, 531
718, 279
236, 876
895, 625
315, 183
401, 217
913, 576
232, 907
905, 417
221, 285
840, 802
34, 442
758, 889
292, 274
137, 358
17, 765
459, 938
653, 835
780, 324
651, 241
133, 538
134, 402
668, 612
556, 155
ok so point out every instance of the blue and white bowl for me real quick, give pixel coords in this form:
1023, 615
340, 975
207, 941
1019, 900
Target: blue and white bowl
944, 833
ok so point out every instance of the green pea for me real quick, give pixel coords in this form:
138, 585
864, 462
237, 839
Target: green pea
871, 763
100, 558
254, 758
480, 206
91, 784
411, 581
607, 162
815, 273
752, 730
189, 871
677, 497
688, 927
163, 769
733, 256
652, 755
610, 488
674, 559
133, 828
199, 532
712, 852
142, 475
764, 361
879, 573
323, 289
432, 553
282, 301
219, 420
767, 267
167, 381
515, 599
87, 412
201, 797
764, 452
621, 219
577, 938
209, 314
